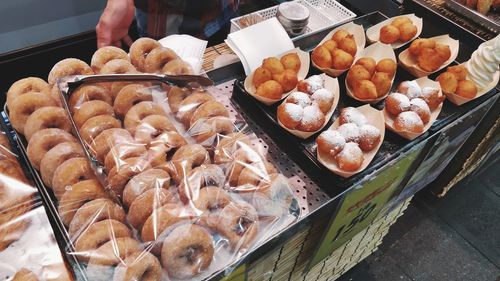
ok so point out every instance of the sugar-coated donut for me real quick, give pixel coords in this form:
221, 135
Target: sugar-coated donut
56, 156
189, 105
158, 58
97, 124
330, 142
227, 145
102, 144
239, 223
26, 85
369, 137
42, 141
187, 251
351, 115
205, 131
86, 93
76, 195
211, 200
324, 99
149, 179
350, 158
396, 103
129, 96
199, 177
139, 266
175, 96
68, 67
106, 54
290, 114
23, 106
350, 131
162, 218
312, 119
140, 111
118, 66
121, 151
143, 205
46, 117
177, 67
152, 127
186, 158
420, 107
91, 109
409, 121
114, 252
140, 49
70, 172
410, 88
209, 109
120, 175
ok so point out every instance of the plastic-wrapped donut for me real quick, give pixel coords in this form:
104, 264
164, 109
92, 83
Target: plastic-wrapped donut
158, 58
198, 178
129, 96
91, 109
239, 223
71, 171
186, 158
138, 112
56, 156
43, 141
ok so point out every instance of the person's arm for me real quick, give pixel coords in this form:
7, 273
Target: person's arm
114, 23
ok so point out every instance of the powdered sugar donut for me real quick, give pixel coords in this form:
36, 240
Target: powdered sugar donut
290, 114
311, 84
420, 107
350, 158
350, 131
299, 98
330, 142
351, 115
410, 88
369, 137
324, 99
397, 103
409, 121
312, 119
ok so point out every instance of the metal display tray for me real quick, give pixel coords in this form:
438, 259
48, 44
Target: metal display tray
491, 20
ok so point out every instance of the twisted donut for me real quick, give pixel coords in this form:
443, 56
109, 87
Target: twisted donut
23, 106
46, 117
68, 67
43, 141
140, 49
104, 55
91, 109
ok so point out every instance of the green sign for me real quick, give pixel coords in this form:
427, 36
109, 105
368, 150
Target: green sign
361, 205
238, 274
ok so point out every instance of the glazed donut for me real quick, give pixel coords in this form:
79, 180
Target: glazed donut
187, 251
69, 173
46, 117
188, 106
56, 156
94, 211
209, 109
199, 177
142, 207
91, 109
26, 85
207, 130
158, 58
152, 127
239, 223
227, 145
177, 67
120, 175
129, 96
24, 275
106, 54
102, 144
23, 106
77, 195
122, 151
87, 93
68, 67
175, 96
140, 49
211, 200
96, 125
43, 141
114, 252
139, 266
186, 158
162, 218
98, 234
140, 111
118, 66
149, 179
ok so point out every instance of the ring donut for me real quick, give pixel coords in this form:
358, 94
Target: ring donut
91, 109
77, 195
56, 156
207, 130
187, 250
157, 58
199, 177
43, 141
96, 125
118, 66
152, 126
121, 151
227, 145
106, 54
243, 158
255, 175
149, 179
177, 67
162, 149
162, 218
189, 105
120, 175
139, 266
186, 158
46, 117
140, 111
102, 144
211, 200
140, 49
142, 207
207, 110
87, 93
68, 67
129, 96
239, 223
26, 85
70, 172
175, 96
114, 252
23, 106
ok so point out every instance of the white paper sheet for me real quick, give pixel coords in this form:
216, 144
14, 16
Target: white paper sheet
189, 48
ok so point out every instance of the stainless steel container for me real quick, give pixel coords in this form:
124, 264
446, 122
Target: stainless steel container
294, 17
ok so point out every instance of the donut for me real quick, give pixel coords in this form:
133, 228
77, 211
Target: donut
56, 156
227, 145
211, 200
420, 107
199, 177
86, 93
114, 252
158, 58
121, 151
324, 99
70, 172
239, 223
255, 175
207, 130
177, 67
312, 119
118, 66
68, 67
76, 195
140, 111
175, 96
162, 218
188, 106
369, 137
23, 106
139, 266
409, 121
143, 205
207, 110
129, 96
186, 158
350, 158
120, 175
91, 109
299, 98
43, 141
140, 49
55, 94
352, 115
242, 158
151, 127
162, 149
290, 114
102, 144
106, 54
94, 211
187, 251
46, 117
26, 85
330, 142
24, 275
149, 179
396, 103
96, 125
350, 132
98, 234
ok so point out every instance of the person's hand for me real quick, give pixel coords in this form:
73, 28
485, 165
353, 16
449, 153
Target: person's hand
114, 23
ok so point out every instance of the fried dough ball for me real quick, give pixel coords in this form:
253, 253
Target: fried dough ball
270, 89
382, 82
409, 121
261, 75
459, 70
365, 89
368, 63
396, 103
397, 22
389, 34
369, 137
420, 107
350, 158
348, 44
342, 59
431, 97
290, 114
407, 31
429, 59
356, 74
273, 64
291, 61
388, 66
330, 45
466, 89
339, 35
322, 57
288, 79
443, 51
420, 43
448, 82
